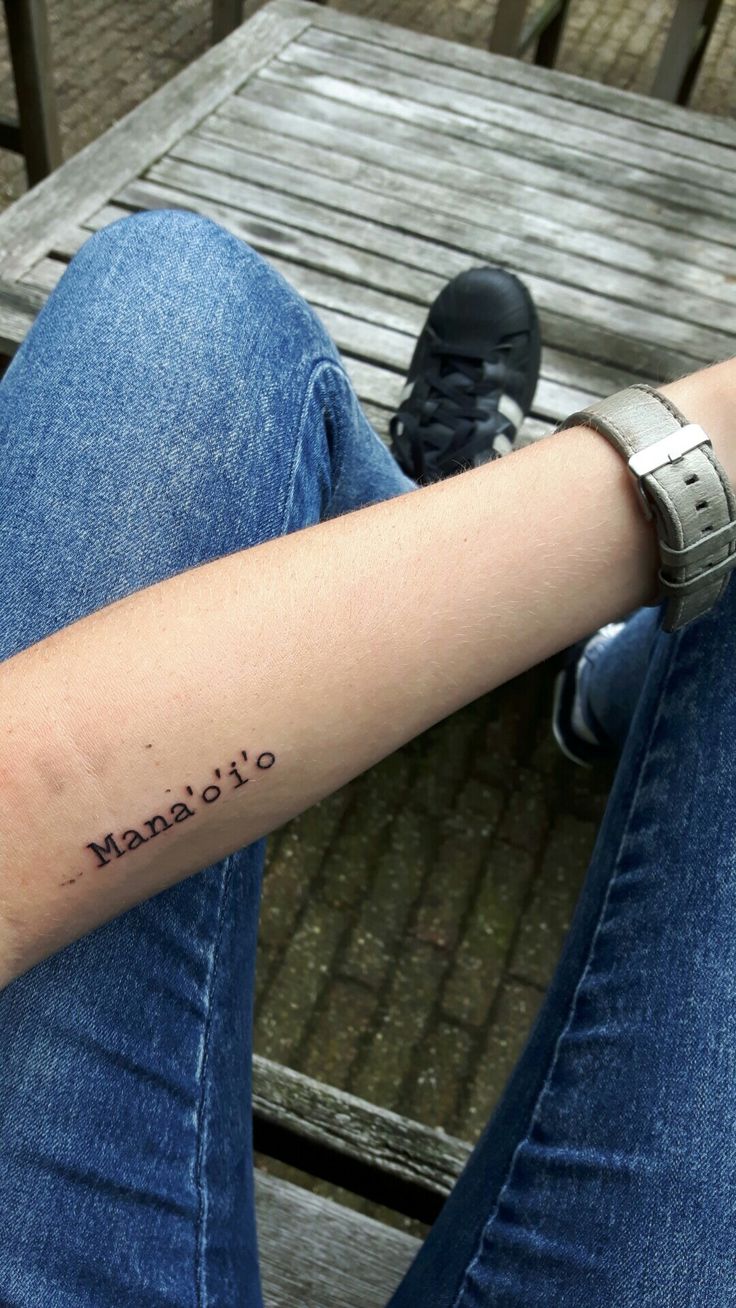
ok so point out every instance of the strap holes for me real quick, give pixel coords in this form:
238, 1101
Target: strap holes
689, 480
705, 530
702, 505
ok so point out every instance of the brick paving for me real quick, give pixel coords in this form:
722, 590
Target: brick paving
412, 921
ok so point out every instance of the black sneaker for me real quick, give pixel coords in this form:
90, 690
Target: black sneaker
472, 377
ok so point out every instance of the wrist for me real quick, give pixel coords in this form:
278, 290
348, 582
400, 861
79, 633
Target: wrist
708, 398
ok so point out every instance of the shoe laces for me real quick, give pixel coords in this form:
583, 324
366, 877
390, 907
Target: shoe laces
438, 424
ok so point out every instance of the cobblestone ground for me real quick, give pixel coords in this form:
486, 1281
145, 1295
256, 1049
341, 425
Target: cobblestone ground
411, 922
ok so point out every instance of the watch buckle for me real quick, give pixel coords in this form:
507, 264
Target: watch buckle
669, 449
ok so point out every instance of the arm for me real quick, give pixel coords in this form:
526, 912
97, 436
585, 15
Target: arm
293, 666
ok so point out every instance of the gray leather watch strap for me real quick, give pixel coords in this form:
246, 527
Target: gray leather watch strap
689, 496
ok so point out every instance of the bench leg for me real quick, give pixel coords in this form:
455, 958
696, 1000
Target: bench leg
551, 36
28, 37
682, 57
712, 10
507, 26
228, 14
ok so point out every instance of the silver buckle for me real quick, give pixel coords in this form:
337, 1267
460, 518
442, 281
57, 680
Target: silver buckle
657, 455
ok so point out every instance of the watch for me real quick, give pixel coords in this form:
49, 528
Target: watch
682, 488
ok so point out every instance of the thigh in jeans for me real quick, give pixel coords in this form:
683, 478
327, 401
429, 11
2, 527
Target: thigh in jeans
607, 1174
175, 401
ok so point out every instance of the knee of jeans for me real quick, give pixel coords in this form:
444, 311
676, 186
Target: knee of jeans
174, 266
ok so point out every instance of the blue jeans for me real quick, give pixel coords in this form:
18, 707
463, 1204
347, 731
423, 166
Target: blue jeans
175, 401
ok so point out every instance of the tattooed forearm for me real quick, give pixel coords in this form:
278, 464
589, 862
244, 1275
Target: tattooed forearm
180, 810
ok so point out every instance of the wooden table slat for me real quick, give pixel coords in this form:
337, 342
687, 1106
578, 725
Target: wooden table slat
375, 383
275, 223
469, 239
688, 182
580, 175
315, 1253
343, 156
276, 102
690, 123
353, 1127
622, 136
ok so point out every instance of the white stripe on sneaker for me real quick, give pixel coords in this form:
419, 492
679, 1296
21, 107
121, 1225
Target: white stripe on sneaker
511, 410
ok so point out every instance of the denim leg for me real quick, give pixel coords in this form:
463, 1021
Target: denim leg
174, 401
607, 1175
614, 671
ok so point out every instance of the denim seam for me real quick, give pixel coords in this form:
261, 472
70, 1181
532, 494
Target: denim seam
456, 1303
199, 1179
319, 365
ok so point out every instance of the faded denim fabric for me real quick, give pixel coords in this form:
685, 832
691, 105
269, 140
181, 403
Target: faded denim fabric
175, 401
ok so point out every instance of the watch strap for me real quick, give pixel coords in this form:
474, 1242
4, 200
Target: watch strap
683, 488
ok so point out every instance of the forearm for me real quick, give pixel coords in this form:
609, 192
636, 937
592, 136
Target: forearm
293, 666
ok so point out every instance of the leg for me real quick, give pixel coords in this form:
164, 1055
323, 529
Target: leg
507, 26
682, 52
175, 401
606, 1174
226, 16
28, 36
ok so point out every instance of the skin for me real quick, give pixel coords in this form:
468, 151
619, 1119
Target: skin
314, 653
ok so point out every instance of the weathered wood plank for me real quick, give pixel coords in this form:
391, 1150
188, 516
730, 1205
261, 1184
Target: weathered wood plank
270, 235
546, 105
43, 275
700, 341
379, 418
84, 182
689, 185
627, 105
332, 241
316, 1254
525, 159
389, 312
577, 253
343, 1122
477, 164
274, 100
374, 384
19, 306
322, 289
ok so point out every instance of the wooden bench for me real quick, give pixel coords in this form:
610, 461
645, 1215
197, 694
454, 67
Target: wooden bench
314, 1251
370, 164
